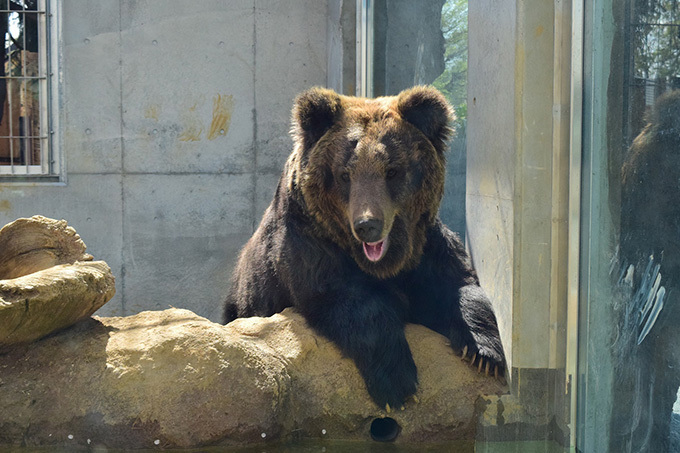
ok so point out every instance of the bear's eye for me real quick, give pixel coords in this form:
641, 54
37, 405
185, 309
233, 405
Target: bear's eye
345, 176
391, 173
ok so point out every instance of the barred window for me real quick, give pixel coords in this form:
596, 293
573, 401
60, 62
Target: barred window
25, 142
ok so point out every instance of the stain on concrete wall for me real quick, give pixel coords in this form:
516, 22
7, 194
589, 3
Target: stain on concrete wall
221, 116
192, 125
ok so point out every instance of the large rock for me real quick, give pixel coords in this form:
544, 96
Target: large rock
47, 281
174, 379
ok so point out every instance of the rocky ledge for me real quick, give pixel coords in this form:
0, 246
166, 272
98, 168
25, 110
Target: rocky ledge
173, 379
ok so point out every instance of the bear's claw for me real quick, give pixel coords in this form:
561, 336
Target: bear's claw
480, 360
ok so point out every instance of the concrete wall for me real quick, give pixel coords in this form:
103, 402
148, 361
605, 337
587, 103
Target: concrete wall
175, 119
517, 196
491, 154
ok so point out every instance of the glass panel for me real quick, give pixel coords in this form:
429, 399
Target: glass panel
425, 42
630, 370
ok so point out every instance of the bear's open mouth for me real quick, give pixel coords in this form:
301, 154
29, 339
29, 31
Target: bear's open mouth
374, 251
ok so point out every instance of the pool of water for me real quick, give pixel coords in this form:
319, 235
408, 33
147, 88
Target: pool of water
336, 446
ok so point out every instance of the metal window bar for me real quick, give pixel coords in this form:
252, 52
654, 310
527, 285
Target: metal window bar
43, 109
26, 115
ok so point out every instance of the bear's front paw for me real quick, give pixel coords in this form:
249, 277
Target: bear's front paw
391, 382
485, 359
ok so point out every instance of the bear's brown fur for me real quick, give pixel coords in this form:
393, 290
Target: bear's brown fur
353, 240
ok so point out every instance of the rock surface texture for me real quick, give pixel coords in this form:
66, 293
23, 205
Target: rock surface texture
173, 379
47, 281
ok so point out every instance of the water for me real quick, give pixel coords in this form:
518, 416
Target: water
336, 446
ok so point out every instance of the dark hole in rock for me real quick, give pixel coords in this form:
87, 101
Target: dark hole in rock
384, 429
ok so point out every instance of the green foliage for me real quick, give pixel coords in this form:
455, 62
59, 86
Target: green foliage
453, 81
656, 39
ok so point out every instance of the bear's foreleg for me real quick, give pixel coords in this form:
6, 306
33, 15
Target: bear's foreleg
445, 295
479, 322
366, 321
465, 316
255, 287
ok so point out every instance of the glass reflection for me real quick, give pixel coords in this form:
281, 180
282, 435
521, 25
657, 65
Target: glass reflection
648, 361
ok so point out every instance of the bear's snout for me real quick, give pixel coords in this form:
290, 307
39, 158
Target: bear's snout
368, 229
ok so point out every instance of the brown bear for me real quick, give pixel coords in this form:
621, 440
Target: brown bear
353, 239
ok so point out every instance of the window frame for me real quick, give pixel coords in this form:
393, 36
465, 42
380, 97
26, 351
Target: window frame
51, 168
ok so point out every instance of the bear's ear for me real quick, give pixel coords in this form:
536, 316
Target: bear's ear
314, 112
427, 109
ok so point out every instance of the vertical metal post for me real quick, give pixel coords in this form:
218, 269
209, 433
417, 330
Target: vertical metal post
574, 218
50, 134
364, 48
43, 133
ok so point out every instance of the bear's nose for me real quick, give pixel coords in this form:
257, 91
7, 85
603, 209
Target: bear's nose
368, 229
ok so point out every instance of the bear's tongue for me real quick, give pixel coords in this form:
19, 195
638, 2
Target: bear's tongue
374, 250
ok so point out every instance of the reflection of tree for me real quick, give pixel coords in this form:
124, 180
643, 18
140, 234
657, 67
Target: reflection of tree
453, 81
657, 39
652, 58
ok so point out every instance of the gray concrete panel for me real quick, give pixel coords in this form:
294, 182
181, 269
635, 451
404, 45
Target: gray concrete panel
294, 38
187, 87
141, 13
182, 235
83, 19
495, 256
91, 115
491, 155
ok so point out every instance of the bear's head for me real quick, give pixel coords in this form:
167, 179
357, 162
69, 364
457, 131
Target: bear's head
370, 172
